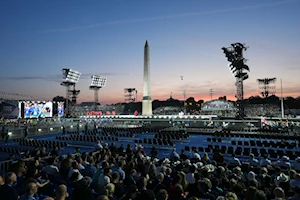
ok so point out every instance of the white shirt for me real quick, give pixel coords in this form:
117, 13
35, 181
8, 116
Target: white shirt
253, 162
196, 155
235, 161
51, 169
282, 163
190, 178
264, 162
103, 180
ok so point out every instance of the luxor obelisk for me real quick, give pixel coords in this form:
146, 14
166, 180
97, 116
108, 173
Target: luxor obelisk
147, 102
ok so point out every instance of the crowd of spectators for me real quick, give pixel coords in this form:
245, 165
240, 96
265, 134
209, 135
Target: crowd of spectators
255, 110
118, 173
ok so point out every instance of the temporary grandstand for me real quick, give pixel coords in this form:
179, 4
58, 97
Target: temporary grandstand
219, 107
167, 110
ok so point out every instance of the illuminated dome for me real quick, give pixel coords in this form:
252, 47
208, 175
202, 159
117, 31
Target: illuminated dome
218, 105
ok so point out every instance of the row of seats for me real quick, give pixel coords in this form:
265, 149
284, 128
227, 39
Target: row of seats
265, 143
240, 151
42, 143
87, 138
127, 135
172, 135
10, 150
155, 142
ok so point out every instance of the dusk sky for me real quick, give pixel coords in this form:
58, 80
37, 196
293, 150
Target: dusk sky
107, 37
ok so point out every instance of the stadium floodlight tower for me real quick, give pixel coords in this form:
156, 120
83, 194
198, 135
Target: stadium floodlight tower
234, 55
70, 78
266, 88
97, 83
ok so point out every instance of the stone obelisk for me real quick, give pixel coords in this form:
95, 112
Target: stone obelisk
147, 102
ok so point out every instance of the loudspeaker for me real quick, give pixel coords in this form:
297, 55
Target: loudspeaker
22, 110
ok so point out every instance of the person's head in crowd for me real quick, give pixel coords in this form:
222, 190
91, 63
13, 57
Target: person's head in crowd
86, 181
75, 177
192, 169
103, 197
61, 192
279, 192
168, 171
105, 164
110, 189
162, 194
75, 165
78, 159
183, 182
142, 183
205, 186
31, 189
251, 155
238, 189
260, 195
115, 177
133, 173
220, 171
231, 196
253, 183
91, 160
52, 161
160, 177
107, 172
178, 190
263, 170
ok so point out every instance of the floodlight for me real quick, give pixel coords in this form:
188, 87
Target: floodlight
71, 76
98, 81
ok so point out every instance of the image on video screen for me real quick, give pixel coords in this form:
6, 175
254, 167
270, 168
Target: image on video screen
35, 109
60, 109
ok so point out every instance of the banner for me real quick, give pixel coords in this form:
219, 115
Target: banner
10, 109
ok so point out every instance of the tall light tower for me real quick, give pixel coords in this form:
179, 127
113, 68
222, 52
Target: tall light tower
70, 78
211, 92
98, 82
234, 55
266, 88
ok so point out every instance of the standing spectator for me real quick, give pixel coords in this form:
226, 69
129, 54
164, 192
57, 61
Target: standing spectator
25, 132
6, 135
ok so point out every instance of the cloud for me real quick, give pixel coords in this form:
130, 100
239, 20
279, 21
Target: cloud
54, 78
168, 16
88, 75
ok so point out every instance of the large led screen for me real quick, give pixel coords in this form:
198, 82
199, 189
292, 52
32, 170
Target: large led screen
60, 109
37, 109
